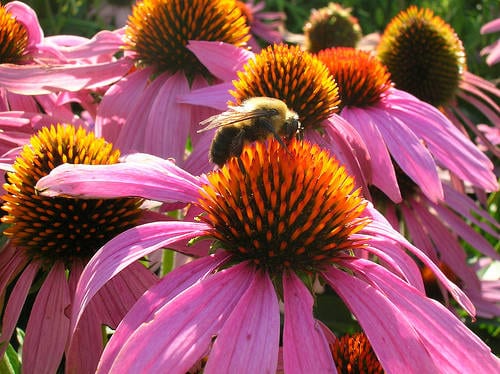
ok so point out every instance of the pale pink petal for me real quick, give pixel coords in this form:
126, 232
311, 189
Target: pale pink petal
41, 79
118, 102
182, 330
393, 338
216, 96
453, 347
252, 331
222, 59
491, 26
383, 174
48, 325
103, 44
305, 348
27, 16
15, 304
125, 249
126, 179
409, 153
144, 310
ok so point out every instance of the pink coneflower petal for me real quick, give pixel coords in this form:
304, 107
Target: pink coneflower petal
377, 229
216, 96
157, 103
437, 327
223, 60
118, 102
104, 43
123, 250
83, 356
186, 325
379, 155
48, 323
375, 312
305, 348
254, 324
15, 305
27, 16
38, 80
465, 231
145, 308
141, 175
408, 152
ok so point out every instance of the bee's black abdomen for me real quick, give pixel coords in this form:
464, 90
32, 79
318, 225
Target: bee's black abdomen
228, 142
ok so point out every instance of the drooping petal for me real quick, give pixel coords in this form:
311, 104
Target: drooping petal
48, 325
155, 298
41, 79
118, 102
169, 122
305, 348
123, 250
86, 343
379, 227
152, 178
453, 347
27, 16
409, 153
182, 330
394, 340
249, 340
15, 305
222, 59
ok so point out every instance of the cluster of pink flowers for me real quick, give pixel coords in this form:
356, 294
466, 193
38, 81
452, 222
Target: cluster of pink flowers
381, 199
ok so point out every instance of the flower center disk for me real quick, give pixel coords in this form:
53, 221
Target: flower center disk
283, 208
13, 38
159, 30
353, 354
361, 78
294, 76
62, 229
423, 54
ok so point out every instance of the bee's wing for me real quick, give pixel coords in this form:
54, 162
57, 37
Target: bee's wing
234, 115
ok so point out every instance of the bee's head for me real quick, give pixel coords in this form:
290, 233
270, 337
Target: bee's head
292, 126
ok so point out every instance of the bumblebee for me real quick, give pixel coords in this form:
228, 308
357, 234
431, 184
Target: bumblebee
257, 118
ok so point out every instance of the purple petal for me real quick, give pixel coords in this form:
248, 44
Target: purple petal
155, 298
383, 175
380, 228
393, 338
182, 330
48, 325
125, 249
252, 330
15, 304
27, 16
216, 96
222, 59
151, 178
117, 104
42, 79
305, 348
409, 153
452, 346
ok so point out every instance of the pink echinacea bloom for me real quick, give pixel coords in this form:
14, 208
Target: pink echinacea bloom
278, 219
